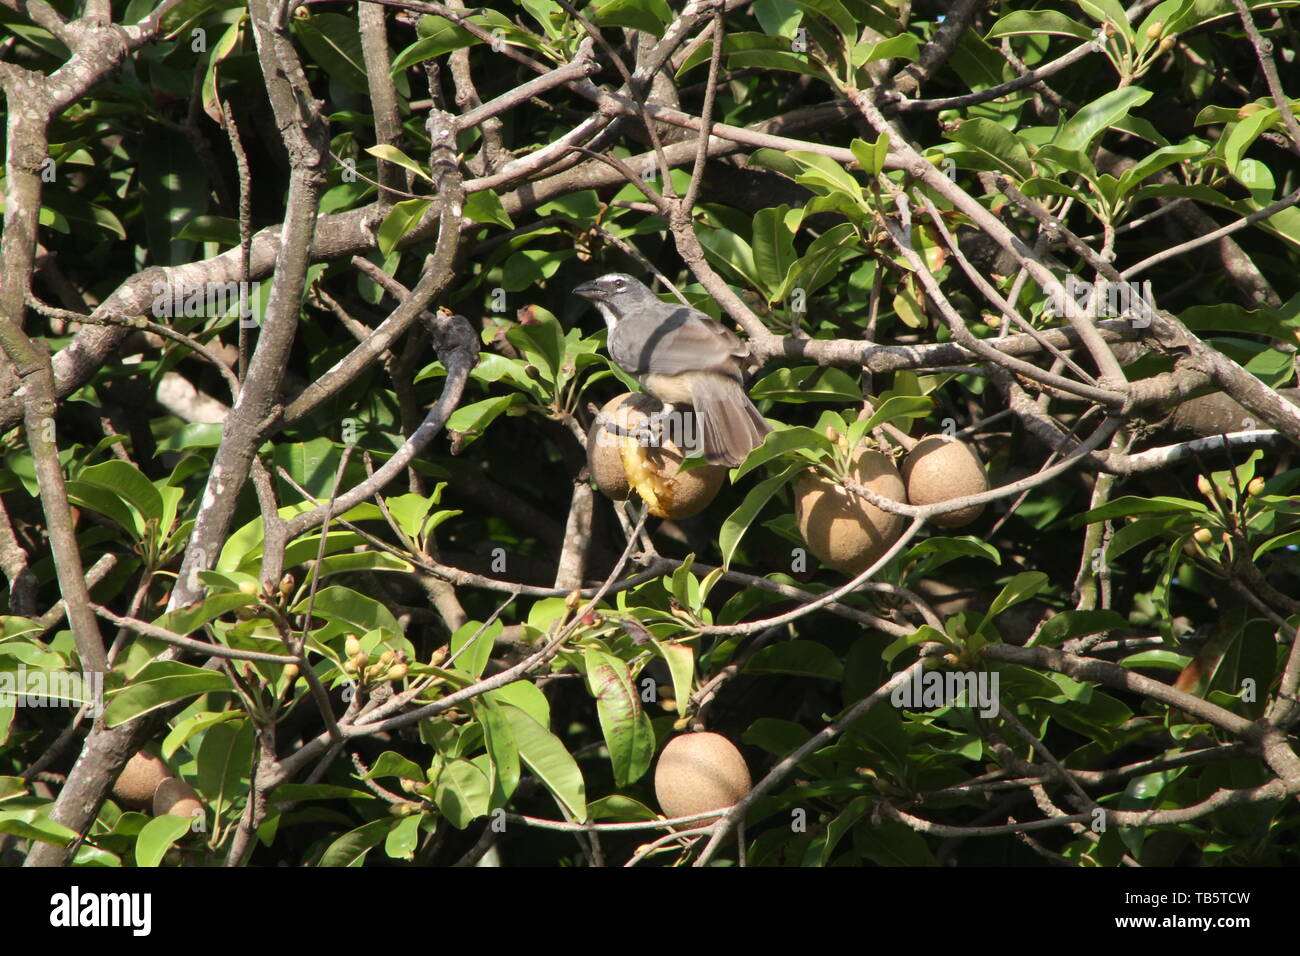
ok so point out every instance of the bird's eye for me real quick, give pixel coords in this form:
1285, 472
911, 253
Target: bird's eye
620, 285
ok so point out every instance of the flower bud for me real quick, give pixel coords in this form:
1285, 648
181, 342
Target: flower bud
1256, 486
352, 646
1202, 536
397, 671
1153, 31
290, 673
1166, 44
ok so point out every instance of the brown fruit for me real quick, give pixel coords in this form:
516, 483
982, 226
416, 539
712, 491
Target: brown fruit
940, 468
176, 797
846, 532
620, 464
699, 772
139, 779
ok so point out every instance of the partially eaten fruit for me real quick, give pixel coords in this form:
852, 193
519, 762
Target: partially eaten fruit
625, 463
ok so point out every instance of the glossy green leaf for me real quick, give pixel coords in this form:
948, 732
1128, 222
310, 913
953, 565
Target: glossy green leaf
806, 658
157, 837
623, 722
351, 848
546, 757
157, 685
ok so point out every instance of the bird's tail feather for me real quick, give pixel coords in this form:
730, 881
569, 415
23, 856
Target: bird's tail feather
730, 425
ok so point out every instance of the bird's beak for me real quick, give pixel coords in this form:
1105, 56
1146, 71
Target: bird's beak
588, 290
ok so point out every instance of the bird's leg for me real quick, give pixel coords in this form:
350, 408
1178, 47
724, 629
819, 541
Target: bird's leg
654, 426
608, 424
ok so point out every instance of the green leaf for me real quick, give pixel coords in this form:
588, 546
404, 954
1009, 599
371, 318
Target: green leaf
443, 36
470, 421
1130, 505
1006, 151
871, 156
394, 155
627, 730
479, 648
620, 809
401, 219
808, 383
1022, 22
545, 755
157, 837
738, 522
823, 845
649, 16
107, 503
940, 551
774, 60
1070, 624
780, 442
730, 252
502, 751
773, 246
193, 724
1289, 540
902, 47
1105, 111
1232, 317
834, 13
186, 620
404, 838
485, 206
825, 172
778, 17
225, 759
527, 697
390, 764
1157, 160
680, 658
334, 43
922, 635
127, 482
33, 823
805, 658
1107, 11
1134, 533
896, 406
160, 683
542, 342
1022, 587
820, 264
348, 610
462, 792
351, 848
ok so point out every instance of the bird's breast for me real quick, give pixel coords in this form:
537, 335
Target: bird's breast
670, 389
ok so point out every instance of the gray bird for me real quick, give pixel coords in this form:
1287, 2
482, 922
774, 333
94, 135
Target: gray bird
681, 357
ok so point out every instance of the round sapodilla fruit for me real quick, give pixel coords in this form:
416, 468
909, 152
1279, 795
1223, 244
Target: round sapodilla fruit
139, 779
846, 532
699, 772
940, 468
622, 464
176, 797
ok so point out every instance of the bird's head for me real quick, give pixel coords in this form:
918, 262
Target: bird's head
616, 295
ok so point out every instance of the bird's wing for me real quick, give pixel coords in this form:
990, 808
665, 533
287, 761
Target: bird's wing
686, 340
